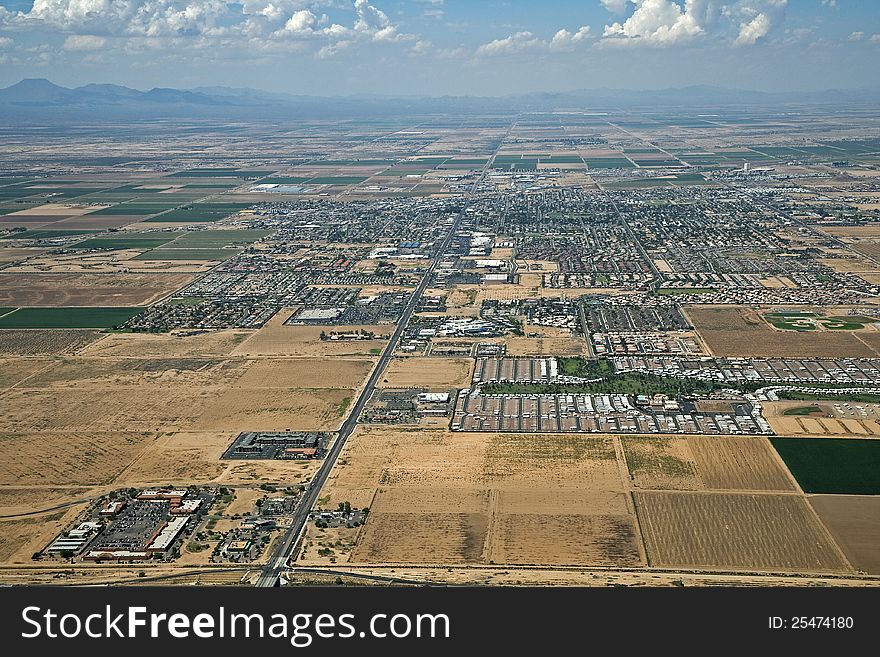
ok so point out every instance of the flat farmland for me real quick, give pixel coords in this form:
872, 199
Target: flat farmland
660, 463
50, 458
165, 345
67, 317
738, 331
456, 497
833, 465
14, 370
738, 463
562, 527
25, 342
854, 521
424, 526
346, 373
428, 372
735, 531
275, 409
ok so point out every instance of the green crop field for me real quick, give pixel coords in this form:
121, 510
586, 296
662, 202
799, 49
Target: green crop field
832, 465
45, 234
61, 318
212, 239
199, 212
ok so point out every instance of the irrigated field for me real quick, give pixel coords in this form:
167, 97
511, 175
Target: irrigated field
833, 465
735, 531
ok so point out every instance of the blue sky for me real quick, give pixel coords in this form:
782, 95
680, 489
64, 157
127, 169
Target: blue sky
439, 47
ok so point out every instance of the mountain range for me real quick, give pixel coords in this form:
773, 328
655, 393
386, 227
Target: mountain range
40, 99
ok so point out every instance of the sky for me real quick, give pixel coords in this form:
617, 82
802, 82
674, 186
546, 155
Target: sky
443, 47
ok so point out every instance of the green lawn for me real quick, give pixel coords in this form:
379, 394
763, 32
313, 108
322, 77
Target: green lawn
832, 465
803, 410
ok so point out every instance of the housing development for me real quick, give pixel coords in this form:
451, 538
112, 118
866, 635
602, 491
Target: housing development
575, 346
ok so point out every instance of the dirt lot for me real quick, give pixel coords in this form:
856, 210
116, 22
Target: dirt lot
87, 289
80, 458
167, 345
428, 372
451, 497
19, 539
307, 373
854, 521
735, 531
276, 339
737, 331
35, 342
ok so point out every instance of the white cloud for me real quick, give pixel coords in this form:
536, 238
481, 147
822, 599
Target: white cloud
509, 45
84, 43
750, 32
661, 23
203, 24
875, 38
6, 43
856, 36
657, 22
565, 40
562, 41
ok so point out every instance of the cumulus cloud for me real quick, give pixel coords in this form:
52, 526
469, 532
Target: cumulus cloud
750, 32
6, 43
563, 40
262, 24
856, 36
663, 23
875, 38
514, 43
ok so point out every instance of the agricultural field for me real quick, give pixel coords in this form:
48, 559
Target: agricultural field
854, 522
832, 465
67, 318
87, 289
746, 531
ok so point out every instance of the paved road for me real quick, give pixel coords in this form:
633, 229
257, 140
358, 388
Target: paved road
278, 559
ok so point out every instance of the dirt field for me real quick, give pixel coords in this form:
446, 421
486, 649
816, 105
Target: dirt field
735, 531
738, 463
79, 458
451, 497
36, 342
87, 289
428, 372
854, 521
307, 373
544, 346
660, 463
167, 345
829, 422
275, 409
19, 539
276, 339
738, 331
